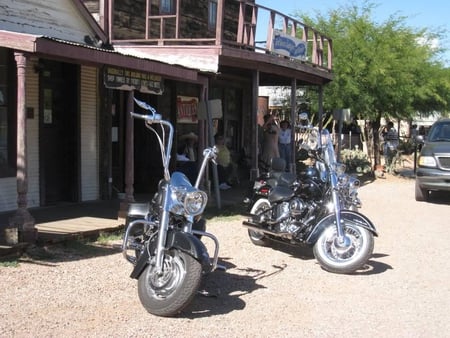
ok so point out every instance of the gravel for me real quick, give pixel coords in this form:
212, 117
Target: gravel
266, 292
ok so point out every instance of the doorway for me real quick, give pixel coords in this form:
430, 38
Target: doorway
58, 130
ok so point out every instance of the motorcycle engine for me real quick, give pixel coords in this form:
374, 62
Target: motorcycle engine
294, 214
297, 207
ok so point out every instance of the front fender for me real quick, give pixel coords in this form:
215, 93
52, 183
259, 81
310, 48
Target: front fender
346, 215
190, 244
183, 241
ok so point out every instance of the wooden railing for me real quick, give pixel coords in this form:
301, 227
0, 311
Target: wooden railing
240, 24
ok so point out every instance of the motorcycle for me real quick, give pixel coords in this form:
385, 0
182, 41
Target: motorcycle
318, 208
163, 238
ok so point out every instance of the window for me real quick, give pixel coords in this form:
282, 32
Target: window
167, 7
7, 115
212, 14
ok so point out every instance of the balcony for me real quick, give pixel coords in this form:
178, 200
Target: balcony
211, 34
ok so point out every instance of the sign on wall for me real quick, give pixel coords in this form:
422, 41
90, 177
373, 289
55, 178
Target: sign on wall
187, 109
290, 46
126, 79
214, 109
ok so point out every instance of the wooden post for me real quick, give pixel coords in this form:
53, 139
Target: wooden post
254, 172
291, 165
129, 158
22, 219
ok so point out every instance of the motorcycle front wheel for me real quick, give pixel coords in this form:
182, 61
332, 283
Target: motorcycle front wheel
169, 293
257, 237
347, 258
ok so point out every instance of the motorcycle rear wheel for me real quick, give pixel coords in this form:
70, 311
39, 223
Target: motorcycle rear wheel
346, 259
257, 237
168, 294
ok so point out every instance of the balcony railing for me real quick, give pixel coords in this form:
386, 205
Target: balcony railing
238, 23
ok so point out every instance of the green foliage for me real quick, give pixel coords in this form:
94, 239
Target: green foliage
385, 69
356, 161
9, 263
381, 69
106, 237
406, 147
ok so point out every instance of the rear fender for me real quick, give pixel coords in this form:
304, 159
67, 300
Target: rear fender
347, 215
185, 242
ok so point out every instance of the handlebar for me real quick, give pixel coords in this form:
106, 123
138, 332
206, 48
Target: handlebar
155, 118
149, 118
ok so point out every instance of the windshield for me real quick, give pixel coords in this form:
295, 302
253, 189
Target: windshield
440, 132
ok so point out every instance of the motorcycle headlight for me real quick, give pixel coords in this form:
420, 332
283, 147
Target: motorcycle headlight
195, 202
354, 183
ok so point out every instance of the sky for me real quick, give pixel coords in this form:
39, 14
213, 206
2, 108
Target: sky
431, 14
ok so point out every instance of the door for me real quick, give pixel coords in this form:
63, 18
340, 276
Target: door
58, 133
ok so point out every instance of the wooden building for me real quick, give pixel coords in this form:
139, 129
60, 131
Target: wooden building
69, 70
219, 38
55, 132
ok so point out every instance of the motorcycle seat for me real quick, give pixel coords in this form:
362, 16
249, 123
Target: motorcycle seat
280, 193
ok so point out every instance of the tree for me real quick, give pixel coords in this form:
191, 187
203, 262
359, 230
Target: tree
381, 69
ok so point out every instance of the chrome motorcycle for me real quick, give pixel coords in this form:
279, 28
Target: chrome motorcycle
316, 209
163, 238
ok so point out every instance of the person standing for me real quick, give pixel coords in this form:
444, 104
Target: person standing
390, 137
224, 165
270, 140
284, 142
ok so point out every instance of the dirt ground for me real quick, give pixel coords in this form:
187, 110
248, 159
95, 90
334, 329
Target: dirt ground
266, 292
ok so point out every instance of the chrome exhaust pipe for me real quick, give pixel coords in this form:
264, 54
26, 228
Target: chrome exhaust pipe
255, 227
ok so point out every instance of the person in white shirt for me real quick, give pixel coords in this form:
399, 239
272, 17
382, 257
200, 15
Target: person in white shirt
284, 142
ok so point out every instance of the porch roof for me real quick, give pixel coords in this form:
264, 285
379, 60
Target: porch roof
43, 46
274, 70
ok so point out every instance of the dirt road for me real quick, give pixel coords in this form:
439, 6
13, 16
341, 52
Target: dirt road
266, 292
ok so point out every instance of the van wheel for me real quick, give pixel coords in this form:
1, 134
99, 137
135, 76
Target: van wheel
421, 194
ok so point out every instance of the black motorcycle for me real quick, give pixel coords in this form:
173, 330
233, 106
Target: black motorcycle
163, 238
317, 207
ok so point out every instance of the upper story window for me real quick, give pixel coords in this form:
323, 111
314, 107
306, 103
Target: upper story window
212, 14
7, 115
167, 7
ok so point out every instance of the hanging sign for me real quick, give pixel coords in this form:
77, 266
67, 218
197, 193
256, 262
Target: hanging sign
187, 109
290, 46
126, 79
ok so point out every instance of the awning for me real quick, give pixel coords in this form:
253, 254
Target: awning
43, 46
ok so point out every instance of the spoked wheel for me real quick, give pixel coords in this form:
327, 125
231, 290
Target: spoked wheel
346, 257
257, 237
170, 292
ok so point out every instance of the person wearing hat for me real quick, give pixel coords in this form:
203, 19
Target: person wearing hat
190, 142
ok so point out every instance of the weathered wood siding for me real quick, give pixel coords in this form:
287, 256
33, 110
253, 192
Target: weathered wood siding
32, 99
8, 191
8, 194
55, 18
89, 135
